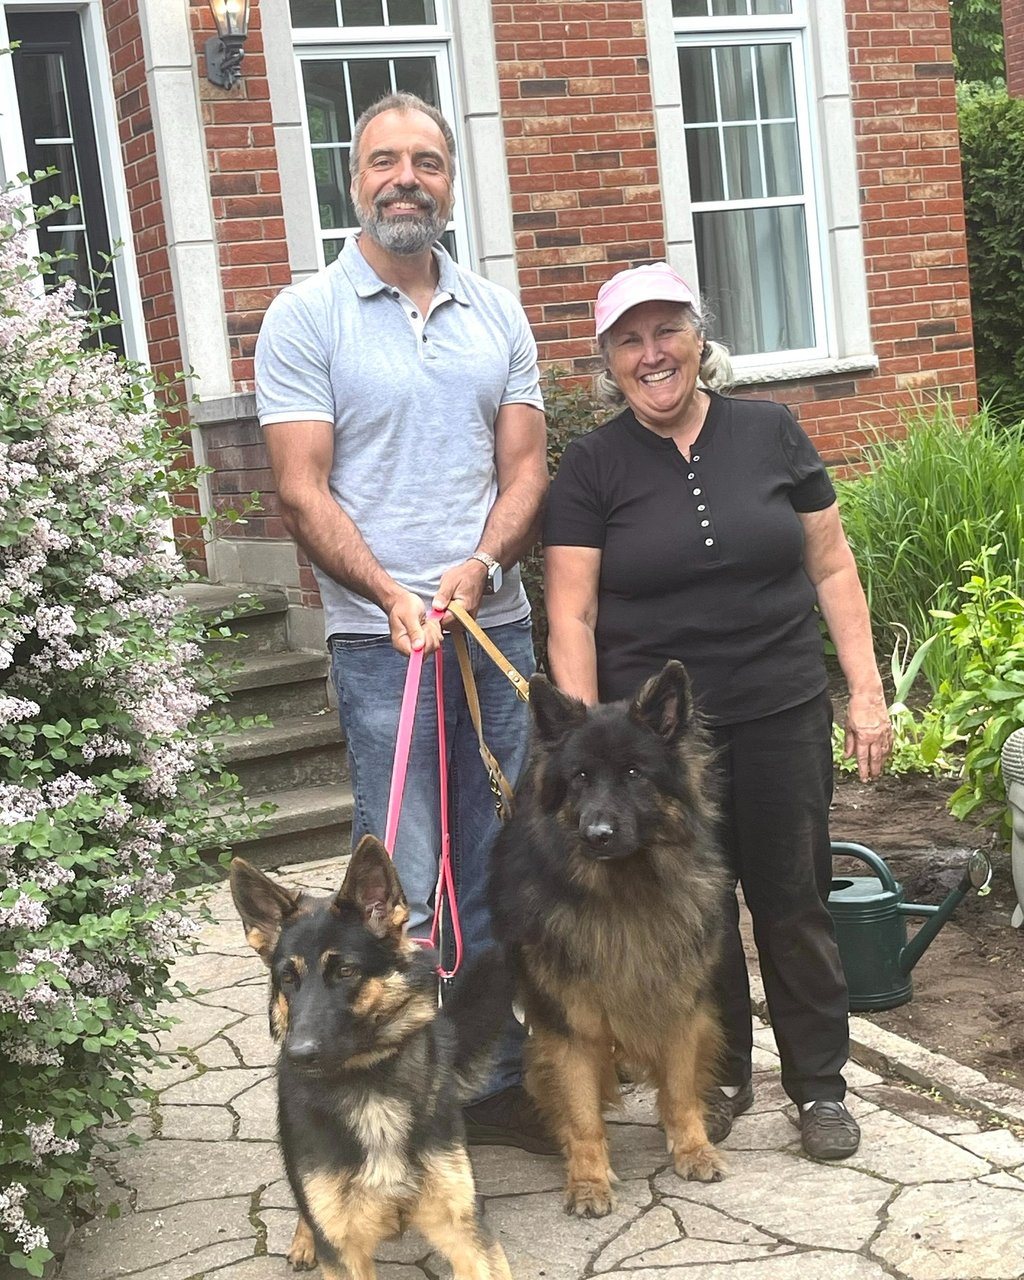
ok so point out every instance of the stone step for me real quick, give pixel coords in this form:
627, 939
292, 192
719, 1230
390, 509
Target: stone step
310, 823
298, 752
279, 685
257, 617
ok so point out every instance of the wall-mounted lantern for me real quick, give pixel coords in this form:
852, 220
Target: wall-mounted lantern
224, 51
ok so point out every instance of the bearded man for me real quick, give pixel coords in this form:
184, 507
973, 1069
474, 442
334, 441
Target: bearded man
401, 407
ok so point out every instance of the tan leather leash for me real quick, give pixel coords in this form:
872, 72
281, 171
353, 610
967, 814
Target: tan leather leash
501, 788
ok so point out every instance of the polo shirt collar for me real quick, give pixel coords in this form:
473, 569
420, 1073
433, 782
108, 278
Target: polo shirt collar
367, 282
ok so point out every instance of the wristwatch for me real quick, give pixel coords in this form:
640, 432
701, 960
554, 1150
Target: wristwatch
494, 574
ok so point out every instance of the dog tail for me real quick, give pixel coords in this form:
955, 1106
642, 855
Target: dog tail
477, 1008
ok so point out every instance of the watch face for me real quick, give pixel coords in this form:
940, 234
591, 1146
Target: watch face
494, 579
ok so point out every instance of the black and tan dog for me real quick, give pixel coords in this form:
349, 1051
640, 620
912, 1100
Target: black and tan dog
372, 1076
606, 891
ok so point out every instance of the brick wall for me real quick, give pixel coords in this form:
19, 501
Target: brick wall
579, 133
1013, 32
245, 187
138, 152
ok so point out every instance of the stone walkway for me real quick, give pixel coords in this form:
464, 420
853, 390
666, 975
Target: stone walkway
935, 1193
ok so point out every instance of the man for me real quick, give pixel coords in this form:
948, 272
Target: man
404, 423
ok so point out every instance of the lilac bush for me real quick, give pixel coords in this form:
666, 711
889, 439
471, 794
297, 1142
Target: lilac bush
107, 773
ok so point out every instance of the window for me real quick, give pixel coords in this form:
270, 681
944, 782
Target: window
747, 128
350, 53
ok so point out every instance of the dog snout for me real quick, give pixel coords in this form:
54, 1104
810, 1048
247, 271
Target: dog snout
598, 833
303, 1052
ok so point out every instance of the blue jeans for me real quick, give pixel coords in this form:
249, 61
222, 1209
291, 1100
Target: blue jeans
369, 676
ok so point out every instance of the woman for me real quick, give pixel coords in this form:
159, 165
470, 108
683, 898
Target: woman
702, 528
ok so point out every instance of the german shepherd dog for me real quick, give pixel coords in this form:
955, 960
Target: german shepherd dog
372, 1075
606, 890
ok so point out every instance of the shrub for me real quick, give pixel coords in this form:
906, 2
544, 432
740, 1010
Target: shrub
105, 778
992, 154
929, 503
571, 411
986, 704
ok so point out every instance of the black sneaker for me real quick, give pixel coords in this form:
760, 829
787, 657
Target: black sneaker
720, 1111
828, 1131
508, 1119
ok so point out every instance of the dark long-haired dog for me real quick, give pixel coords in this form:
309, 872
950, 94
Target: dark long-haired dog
606, 890
372, 1075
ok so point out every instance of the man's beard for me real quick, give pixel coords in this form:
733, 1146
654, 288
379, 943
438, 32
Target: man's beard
402, 233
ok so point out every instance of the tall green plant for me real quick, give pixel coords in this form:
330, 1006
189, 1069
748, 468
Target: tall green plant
107, 775
571, 411
986, 704
927, 505
992, 155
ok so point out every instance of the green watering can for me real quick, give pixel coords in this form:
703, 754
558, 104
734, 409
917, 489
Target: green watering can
870, 920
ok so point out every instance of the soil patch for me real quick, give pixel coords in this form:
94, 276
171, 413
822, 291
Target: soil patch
968, 1000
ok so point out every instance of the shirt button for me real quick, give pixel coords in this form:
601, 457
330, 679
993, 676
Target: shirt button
696, 492
696, 457
709, 542
704, 524
701, 507
412, 315
691, 476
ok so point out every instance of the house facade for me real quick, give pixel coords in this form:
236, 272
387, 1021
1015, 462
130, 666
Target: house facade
797, 160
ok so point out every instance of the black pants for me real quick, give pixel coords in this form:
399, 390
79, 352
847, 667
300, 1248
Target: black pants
777, 788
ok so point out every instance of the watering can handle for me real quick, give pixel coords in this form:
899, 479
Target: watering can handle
841, 849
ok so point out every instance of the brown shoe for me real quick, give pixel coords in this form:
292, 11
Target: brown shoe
720, 1111
508, 1119
828, 1131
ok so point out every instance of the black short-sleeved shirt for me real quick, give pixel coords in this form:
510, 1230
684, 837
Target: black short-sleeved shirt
702, 560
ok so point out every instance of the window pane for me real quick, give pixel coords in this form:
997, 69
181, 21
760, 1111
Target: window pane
754, 270
412, 12
782, 160
332, 248
418, 76
728, 8
362, 13
314, 13
370, 79
698, 86
704, 164
772, 6
743, 163
775, 81
736, 82
689, 8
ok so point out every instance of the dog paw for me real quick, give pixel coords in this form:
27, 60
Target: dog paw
589, 1199
702, 1164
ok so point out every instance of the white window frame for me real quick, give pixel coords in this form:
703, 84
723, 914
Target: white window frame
347, 44
835, 241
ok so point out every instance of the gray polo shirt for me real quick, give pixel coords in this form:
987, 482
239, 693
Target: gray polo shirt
413, 402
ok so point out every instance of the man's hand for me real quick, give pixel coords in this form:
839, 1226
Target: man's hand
407, 622
463, 583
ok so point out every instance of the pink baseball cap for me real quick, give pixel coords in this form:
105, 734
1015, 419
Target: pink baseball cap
656, 282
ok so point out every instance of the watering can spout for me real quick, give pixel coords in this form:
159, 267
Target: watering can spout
977, 875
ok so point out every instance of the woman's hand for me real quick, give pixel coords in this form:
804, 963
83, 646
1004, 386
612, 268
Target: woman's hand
868, 734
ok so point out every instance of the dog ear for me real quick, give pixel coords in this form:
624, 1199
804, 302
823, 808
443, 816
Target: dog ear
554, 712
665, 702
372, 885
263, 905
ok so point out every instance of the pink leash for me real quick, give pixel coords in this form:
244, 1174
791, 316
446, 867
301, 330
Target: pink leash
407, 715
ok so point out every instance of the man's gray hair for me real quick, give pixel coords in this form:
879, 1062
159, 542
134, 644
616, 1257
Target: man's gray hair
404, 102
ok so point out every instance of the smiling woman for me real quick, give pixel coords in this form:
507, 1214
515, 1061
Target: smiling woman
705, 529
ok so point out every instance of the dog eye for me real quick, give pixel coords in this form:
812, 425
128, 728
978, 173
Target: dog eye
632, 772
582, 775
289, 978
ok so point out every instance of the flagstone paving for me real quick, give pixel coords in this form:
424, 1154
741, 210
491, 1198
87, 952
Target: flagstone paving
936, 1191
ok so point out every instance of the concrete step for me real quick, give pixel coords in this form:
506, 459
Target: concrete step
310, 823
255, 617
298, 752
279, 685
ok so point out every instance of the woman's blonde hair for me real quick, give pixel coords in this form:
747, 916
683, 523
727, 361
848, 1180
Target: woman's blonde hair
715, 365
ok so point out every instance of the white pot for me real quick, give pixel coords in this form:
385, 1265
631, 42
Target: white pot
1013, 777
